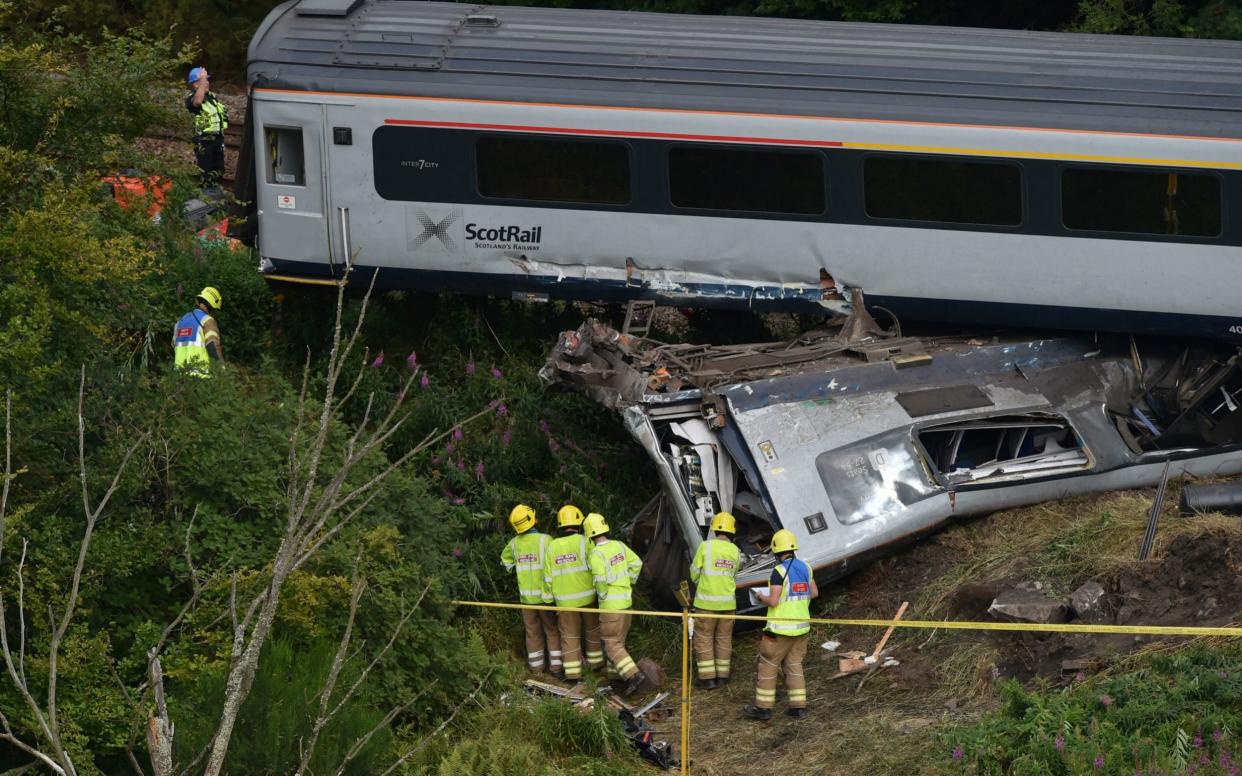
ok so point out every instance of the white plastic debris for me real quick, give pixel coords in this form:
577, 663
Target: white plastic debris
889, 662
831, 646
870, 660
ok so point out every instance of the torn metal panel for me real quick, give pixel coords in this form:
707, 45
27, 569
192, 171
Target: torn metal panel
860, 443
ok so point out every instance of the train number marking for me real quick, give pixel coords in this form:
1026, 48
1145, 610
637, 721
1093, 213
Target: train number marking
1236, 329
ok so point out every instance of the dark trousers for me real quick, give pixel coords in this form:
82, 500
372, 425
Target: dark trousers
209, 154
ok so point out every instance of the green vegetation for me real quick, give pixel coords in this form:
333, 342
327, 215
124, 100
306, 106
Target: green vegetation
89, 292
1172, 712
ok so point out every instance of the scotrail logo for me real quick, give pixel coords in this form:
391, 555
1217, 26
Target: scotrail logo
422, 228
509, 237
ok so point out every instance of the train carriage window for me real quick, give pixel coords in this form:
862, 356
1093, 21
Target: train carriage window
553, 170
286, 163
951, 191
1145, 202
753, 180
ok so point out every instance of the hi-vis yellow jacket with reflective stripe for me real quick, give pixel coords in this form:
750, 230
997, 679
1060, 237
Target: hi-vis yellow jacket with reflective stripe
525, 554
566, 574
714, 570
212, 117
614, 568
795, 599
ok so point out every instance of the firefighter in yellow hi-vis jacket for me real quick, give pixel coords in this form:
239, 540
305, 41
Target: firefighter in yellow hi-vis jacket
524, 555
614, 568
567, 582
783, 646
714, 572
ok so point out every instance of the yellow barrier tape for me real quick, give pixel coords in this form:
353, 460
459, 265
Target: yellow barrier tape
303, 281
1020, 627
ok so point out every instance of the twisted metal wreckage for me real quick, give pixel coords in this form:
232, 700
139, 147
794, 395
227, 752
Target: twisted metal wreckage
860, 440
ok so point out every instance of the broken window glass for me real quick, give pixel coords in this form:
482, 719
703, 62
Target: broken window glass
954, 191
1012, 446
554, 170
874, 477
789, 182
1100, 199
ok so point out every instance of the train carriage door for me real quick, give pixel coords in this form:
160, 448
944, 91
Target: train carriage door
293, 230
351, 193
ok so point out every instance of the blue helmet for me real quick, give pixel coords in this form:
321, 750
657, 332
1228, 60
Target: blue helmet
195, 72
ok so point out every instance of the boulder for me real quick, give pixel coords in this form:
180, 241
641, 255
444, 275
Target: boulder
1090, 602
1028, 606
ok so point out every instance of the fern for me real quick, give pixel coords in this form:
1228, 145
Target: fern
1181, 749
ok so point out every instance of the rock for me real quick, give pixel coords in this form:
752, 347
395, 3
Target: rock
1028, 606
1090, 602
656, 678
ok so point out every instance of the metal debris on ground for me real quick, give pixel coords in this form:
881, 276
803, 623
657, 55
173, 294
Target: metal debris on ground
1149, 538
653, 750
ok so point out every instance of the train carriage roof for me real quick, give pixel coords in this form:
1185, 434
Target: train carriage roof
753, 65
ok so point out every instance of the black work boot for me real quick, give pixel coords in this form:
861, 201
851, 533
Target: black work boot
722, 681
634, 682
705, 684
751, 711
796, 713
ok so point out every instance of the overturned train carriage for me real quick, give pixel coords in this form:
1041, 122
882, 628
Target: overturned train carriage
860, 445
960, 175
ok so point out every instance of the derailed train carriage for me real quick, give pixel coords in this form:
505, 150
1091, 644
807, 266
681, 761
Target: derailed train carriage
1091, 183
960, 175
861, 444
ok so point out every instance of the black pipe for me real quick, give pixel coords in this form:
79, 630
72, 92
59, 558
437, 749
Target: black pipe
1197, 499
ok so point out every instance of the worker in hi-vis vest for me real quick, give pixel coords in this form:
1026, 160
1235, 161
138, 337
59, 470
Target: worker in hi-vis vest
567, 582
196, 337
614, 569
783, 645
714, 573
524, 556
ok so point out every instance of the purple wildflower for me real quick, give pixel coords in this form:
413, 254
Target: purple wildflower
1198, 742
1218, 734
449, 448
423, 382
1059, 743
435, 460
1106, 701
458, 501
1203, 759
505, 437
457, 553
1080, 677
470, 367
544, 427
1225, 760
461, 465
496, 373
1222, 675
478, 471
501, 410
411, 361
958, 754
1099, 762
457, 434
379, 361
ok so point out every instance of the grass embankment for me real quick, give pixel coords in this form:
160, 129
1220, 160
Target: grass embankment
966, 688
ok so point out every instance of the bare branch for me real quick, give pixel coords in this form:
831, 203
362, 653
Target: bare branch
8, 463
329, 685
421, 745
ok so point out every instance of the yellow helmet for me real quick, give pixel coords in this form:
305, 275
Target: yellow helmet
594, 525
569, 515
723, 523
522, 518
211, 296
784, 541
